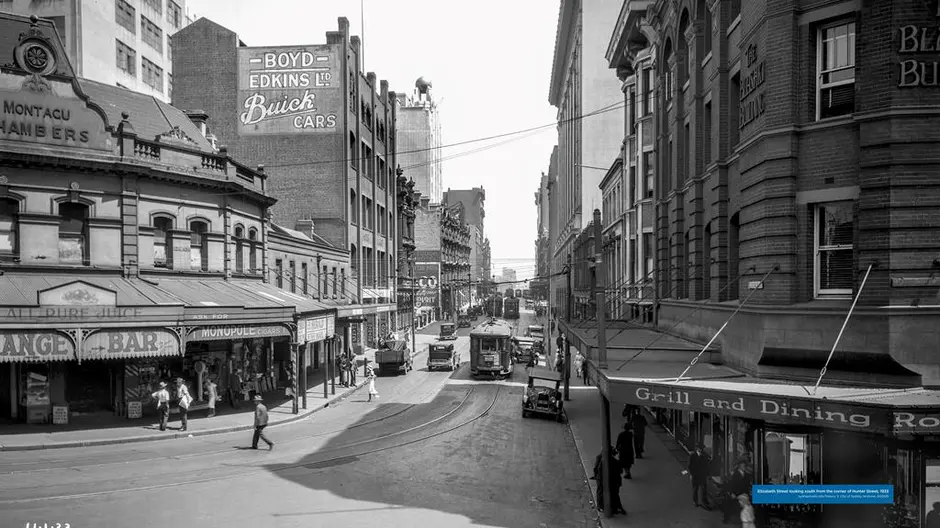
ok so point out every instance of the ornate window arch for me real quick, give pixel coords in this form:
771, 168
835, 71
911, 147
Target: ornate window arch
74, 212
163, 223
239, 236
198, 242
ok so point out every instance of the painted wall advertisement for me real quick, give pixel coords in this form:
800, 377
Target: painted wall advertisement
428, 284
289, 90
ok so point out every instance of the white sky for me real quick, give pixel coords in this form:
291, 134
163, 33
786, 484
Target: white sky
490, 62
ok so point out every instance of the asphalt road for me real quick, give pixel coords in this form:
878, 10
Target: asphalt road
437, 449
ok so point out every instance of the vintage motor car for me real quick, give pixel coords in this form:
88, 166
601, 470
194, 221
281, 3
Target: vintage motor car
394, 356
535, 331
522, 349
448, 331
442, 356
463, 321
542, 395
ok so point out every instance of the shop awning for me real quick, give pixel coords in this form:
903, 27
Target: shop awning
202, 293
28, 346
131, 343
23, 290
719, 389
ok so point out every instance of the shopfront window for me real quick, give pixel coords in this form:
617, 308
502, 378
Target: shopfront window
904, 472
932, 490
791, 458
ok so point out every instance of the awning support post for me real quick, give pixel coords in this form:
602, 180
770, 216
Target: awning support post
605, 476
842, 330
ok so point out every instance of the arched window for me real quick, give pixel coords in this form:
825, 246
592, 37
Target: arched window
668, 74
162, 242
706, 15
73, 233
198, 245
353, 258
9, 210
239, 249
253, 251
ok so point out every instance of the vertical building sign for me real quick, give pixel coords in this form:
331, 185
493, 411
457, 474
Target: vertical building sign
428, 284
288, 90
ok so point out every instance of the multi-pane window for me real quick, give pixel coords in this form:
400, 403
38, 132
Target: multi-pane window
648, 84
650, 170
834, 230
709, 33
151, 34
279, 272
125, 15
303, 277
126, 58
353, 151
326, 284
647, 254
631, 112
162, 242
240, 249
198, 245
342, 283
174, 15
169, 86
156, 5
9, 209
73, 233
707, 134
836, 70
152, 74
335, 279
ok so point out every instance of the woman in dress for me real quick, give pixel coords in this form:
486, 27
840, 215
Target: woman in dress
213, 393
370, 375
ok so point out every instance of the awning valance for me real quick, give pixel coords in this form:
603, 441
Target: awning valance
123, 343
35, 346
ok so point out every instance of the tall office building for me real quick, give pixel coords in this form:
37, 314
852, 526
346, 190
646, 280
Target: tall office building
419, 140
123, 43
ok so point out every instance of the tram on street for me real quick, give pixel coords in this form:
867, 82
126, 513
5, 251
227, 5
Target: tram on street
491, 348
511, 308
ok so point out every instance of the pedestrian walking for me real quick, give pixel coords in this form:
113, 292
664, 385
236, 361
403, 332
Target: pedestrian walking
625, 449
639, 433
370, 375
578, 364
183, 401
213, 393
261, 421
352, 370
747, 512
234, 389
343, 367
613, 478
162, 397
738, 484
560, 361
699, 464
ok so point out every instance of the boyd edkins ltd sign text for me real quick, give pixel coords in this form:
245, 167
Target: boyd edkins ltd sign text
783, 409
288, 90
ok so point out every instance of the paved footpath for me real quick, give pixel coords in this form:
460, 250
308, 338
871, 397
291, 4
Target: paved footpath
657, 495
227, 420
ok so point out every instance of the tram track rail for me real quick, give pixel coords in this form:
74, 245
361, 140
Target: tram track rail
248, 471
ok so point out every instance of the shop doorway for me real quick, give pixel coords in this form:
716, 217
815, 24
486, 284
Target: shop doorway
92, 386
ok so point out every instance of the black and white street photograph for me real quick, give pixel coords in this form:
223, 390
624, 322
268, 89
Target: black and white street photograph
501, 264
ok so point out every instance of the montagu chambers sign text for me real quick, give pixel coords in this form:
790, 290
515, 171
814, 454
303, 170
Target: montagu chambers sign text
288, 90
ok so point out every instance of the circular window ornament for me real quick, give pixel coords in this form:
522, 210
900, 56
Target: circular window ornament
36, 57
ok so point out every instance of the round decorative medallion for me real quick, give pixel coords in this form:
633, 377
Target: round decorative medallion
73, 186
35, 56
3, 179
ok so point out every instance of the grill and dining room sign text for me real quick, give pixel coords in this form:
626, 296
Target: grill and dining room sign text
288, 90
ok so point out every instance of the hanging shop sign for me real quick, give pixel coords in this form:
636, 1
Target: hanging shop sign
289, 90
312, 329
751, 104
35, 346
917, 422
757, 406
919, 40
226, 332
131, 343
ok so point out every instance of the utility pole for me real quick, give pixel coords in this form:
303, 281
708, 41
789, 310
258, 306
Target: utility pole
469, 290
564, 341
414, 330
600, 311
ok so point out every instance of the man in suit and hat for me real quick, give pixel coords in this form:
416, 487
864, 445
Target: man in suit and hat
162, 397
261, 421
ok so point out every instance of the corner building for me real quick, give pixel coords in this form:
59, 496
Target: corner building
326, 134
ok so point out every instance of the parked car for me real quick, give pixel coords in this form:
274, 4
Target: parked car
443, 356
542, 395
535, 332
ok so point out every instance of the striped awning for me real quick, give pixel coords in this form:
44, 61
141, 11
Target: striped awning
35, 346
130, 343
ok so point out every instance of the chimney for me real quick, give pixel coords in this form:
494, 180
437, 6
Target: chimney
305, 226
199, 118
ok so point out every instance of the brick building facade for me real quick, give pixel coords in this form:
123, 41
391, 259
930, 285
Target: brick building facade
792, 149
335, 166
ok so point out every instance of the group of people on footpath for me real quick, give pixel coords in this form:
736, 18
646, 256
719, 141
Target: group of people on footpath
735, 492
629, 447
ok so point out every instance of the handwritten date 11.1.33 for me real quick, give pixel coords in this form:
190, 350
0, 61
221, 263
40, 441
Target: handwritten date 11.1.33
48, 525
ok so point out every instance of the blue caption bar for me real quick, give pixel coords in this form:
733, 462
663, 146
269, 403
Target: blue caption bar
823, 494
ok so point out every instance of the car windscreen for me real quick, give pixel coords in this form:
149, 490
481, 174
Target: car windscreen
539, 383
